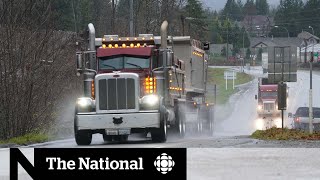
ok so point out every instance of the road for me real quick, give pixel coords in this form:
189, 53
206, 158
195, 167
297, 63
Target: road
230, 133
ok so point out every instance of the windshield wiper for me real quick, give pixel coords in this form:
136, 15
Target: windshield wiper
135, 65
110, 66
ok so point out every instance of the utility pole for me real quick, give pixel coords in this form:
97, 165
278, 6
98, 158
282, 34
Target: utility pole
243, 53
282, 79
310, 92
183, 22
74, 17
227, 39
131, 18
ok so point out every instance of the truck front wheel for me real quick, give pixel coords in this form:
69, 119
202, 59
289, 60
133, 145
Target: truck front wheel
82, 137
160, 134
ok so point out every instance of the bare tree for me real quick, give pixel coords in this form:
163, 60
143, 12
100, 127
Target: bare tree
35, 67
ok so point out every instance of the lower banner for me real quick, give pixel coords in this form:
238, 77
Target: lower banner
96, 163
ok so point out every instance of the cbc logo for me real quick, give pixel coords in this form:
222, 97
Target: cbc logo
164, 163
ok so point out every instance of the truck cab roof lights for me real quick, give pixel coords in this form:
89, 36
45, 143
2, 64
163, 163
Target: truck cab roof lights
116, 39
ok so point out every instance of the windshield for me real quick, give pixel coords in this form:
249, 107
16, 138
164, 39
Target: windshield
123, 62
269, 94
304, 112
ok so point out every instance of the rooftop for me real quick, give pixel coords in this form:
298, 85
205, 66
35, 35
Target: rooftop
279, 41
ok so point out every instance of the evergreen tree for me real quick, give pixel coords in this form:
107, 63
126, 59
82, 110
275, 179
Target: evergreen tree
248, 53
197, 22
249, 8
63, 15
310, 17
262, 7
288, 16
232, 10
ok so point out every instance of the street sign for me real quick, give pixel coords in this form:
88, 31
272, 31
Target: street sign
282, 64
230, 75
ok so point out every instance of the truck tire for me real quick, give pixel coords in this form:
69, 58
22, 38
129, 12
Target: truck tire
199, 122
159, 135
211, 121
82, 137
180, 126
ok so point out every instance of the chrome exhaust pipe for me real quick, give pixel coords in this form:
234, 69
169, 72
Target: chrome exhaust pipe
164, 35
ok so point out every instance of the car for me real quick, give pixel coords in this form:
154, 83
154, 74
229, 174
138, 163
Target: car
301, 118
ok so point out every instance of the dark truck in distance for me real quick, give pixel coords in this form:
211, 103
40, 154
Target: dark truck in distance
301, 118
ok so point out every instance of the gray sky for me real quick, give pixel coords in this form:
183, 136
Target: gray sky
219, 4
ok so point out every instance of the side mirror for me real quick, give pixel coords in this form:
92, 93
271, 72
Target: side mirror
256, 97
290, 115
206, 46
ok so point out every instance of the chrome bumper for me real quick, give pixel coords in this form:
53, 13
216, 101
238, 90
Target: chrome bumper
93, 121
270, 113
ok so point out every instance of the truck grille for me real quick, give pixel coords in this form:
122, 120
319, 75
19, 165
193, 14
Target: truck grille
117, 94
268, 106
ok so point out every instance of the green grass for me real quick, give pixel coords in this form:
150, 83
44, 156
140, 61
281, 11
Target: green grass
216, 76
284, 134
27, 139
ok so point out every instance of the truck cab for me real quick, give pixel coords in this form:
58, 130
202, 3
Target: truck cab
267, 100
123, 96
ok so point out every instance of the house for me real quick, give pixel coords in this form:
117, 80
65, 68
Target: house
308, 38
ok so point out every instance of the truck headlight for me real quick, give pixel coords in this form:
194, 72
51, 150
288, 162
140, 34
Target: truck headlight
149, 101
259, 107
85, 104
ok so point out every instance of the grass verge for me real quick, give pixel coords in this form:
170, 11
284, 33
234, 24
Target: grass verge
27, 139
284, 134
216, 76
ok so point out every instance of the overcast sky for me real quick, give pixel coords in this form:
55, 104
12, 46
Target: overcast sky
219, 4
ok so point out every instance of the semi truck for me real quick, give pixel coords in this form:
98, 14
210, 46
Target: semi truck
267, 99
143, 84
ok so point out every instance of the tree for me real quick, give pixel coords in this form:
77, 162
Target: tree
248, 53
197, 22
35, 72
246, 37
63, 14
310, 9
232, 10
250, 8
262, 7
289, 16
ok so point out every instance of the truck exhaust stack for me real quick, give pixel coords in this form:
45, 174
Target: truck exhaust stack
164, 36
